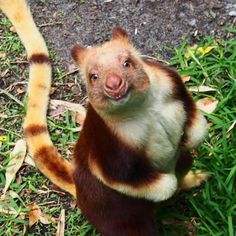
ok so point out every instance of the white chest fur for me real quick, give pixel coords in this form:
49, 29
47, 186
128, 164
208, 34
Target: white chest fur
157, 128
165, 132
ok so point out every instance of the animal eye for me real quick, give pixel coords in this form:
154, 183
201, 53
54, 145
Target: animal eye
126, 64
94, 77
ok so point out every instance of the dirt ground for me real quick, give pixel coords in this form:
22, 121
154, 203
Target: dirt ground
156, 26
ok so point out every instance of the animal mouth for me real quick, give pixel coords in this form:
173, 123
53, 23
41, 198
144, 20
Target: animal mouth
120, 93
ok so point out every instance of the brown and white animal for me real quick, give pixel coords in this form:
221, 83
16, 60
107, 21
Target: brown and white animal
133, 150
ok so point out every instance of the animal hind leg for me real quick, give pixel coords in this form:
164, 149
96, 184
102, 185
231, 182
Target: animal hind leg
193, 178
188, 178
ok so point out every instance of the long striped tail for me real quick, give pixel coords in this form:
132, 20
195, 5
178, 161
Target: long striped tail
45, 155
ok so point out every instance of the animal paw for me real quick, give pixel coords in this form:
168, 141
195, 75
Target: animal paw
194, 178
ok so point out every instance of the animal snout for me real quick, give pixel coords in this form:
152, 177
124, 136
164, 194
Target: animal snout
113, 83
115, 87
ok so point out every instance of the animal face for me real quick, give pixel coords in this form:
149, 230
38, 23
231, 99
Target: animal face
114, 74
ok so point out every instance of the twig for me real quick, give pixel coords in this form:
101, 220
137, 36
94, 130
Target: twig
155, 59
19, 62
12, 85
12, 97
69, 73
9, 131
83, 100
50, 24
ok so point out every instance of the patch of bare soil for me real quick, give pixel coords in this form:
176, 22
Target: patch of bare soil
156, 26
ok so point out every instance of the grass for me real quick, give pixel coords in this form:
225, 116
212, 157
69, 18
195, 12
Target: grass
208, 210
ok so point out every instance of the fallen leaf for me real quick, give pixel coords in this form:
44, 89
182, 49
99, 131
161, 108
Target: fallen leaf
207, 49
20, 90
230, 129
56, 112
187, 55
3, 73
70, 85
54, 15
61, 224
200, 51
24, 230
17, 158
52, 90
3, 138
218, 41
19, 180
190, 49
185, 78
8, 210
12, 193
35, 214
48, 189
3, 116
3, 55
73, 205
13, 29
79, 118
71, 68
29, 160
201, 88
76, 130
56, 104
207, 105
5, 206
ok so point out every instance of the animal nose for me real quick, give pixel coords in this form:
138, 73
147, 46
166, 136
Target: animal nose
113, 82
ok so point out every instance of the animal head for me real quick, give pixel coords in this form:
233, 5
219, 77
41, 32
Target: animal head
114, 74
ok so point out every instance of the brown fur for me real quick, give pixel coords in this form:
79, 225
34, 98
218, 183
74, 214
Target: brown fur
42, 86
183, 164
180, 93
35, 130
115, 214
39, 58
117, 161
54, 165
118, 33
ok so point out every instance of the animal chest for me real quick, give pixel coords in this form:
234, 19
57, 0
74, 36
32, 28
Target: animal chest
158, 130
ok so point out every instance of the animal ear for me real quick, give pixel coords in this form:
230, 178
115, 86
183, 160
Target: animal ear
78, 53
119, 33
